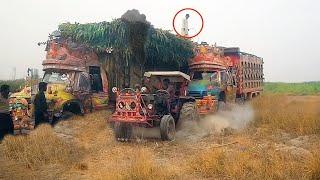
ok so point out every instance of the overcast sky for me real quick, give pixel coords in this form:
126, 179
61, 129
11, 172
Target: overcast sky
285, 33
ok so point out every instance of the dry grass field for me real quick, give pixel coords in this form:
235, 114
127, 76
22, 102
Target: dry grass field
280, 141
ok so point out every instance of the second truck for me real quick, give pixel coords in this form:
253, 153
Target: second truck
222, 75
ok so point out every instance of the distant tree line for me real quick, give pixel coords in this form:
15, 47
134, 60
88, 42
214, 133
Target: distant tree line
15, 85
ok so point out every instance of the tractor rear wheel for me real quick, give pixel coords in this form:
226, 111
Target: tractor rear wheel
123, 131
167, 128
188, 112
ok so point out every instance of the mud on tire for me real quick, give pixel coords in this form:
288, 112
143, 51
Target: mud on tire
188, 112
167, 128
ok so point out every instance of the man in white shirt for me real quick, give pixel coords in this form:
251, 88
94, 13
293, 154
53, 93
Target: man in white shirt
185, 27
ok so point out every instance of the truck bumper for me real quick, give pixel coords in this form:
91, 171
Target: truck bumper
207, 105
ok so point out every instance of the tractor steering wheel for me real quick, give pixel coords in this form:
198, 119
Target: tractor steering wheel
162, 93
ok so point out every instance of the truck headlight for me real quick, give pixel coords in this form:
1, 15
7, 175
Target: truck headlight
121, 105
133, 105
150, 106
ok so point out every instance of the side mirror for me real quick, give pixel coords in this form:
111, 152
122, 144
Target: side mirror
114, 89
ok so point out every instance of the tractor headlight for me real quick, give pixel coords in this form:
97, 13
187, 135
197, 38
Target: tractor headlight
114, 89
150, 106
144, 89
121, 105
133, 105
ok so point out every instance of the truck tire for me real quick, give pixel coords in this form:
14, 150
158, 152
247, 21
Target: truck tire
167, 128
123, 131
188, 112
222, 106
222, 96
66, 115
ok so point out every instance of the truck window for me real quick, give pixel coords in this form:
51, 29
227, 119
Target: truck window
224, 77
54, 77
84, 83
96, 80
197, 75
209, 75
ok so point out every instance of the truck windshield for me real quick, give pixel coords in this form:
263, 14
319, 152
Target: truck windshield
208, 75
56, 78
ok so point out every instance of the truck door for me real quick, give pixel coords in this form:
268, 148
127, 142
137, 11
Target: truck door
99, 92
230, 88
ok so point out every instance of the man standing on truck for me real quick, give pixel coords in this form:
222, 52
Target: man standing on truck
6, 124
40, 105
185, 26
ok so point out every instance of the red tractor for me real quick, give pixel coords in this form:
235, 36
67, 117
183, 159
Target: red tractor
162, 103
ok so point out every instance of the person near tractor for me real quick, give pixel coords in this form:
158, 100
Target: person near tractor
152, 86
6, 123
40, 105
170, 88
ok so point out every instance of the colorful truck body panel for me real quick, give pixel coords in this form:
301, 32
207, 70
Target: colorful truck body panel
249, 72
223, 75
76, 81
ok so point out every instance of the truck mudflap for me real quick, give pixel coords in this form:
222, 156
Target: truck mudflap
207, 105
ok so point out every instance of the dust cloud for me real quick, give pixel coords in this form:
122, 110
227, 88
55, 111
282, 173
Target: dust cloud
234, 117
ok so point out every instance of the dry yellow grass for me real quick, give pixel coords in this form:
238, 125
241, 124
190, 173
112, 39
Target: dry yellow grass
253, 162
143, 166
89, 149
21, 155
313, 166
299, 115
41, 147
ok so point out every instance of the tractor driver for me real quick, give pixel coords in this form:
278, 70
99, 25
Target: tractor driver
152, 86
170, 88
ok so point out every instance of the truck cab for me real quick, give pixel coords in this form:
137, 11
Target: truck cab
212, 78
77, 83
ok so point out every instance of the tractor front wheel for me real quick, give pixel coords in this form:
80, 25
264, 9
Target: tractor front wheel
123, 131
167, 128
188, 113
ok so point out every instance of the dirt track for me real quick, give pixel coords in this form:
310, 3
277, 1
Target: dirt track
107, 155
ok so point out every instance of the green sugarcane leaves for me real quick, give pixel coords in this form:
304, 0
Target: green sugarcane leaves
131, 40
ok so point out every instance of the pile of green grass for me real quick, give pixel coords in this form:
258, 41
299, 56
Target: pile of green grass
304, 88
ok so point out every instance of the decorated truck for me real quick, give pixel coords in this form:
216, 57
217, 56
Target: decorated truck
21, 103
223, 75
76, 82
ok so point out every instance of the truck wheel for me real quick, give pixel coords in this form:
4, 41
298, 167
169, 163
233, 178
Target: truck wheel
167, 128
66, 115
123, 131
222, 106
188, 112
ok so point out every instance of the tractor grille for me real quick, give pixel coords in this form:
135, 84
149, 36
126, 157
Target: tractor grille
197, 94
